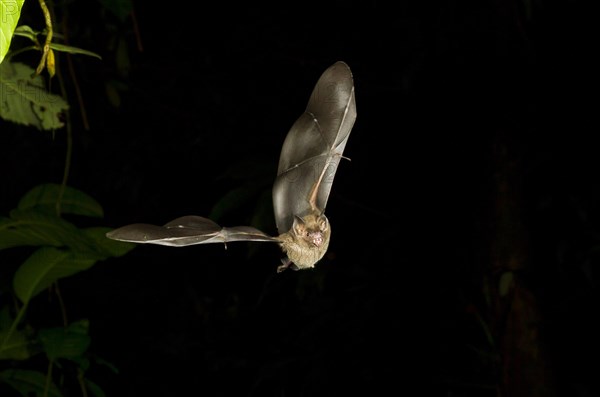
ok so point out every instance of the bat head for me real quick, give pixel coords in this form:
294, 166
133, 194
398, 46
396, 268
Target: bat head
314, 229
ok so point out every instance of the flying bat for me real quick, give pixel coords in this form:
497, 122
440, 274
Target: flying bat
308, 162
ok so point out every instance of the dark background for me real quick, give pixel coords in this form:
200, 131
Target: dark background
449, 96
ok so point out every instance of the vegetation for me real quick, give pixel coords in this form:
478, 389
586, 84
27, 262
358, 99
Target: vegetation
44, 224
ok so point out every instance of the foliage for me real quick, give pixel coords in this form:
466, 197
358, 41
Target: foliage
10, 11
61, 250
55, 246
23, 96
24, 100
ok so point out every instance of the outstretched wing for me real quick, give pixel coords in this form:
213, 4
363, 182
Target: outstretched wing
187, 230
313, 148
307, 165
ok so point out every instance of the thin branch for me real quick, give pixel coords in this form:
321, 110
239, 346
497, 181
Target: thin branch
46, 47
48, 378
63, 309
81, 381
73, 75
136, 29
13, 327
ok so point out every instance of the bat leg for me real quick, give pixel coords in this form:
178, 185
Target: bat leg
286, 263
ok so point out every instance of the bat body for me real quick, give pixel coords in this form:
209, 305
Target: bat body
309, 158
305, 243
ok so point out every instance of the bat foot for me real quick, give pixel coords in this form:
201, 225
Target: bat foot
286, 263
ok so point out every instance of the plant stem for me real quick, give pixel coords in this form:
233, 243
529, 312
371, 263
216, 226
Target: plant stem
71, 67
48, 378
46, 46
84, 392
63, 309
13, 327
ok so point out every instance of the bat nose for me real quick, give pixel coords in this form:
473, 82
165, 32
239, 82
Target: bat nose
318, 240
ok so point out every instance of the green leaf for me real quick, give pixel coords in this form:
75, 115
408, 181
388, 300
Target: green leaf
16, 233
5, 318
111, 366
33, 227
10, 12
506, 282
73, 201
45, 266
25, 100
80, 327
73, 50
63, 343
94, 388
38, 226
111, 248
16, 347
26, 31
28, 382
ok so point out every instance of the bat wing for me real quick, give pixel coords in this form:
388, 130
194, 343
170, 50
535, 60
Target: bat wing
187, 230
313, 147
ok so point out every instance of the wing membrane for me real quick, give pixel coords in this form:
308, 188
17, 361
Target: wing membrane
187, 230
314, 146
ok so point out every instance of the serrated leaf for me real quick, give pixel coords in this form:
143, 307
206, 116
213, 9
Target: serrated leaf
63, 343
25, 100
73, 201
28, 382
44, 267
73, 50
10, 12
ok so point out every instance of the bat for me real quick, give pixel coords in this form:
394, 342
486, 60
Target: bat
308, 162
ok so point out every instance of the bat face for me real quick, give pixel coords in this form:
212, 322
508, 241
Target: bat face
308, 161
312, 229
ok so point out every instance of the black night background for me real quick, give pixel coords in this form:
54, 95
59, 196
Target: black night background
465, 226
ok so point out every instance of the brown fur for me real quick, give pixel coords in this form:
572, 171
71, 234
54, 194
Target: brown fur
299, 248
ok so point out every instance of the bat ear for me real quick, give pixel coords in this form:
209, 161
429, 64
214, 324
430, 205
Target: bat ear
299, 225
323, 223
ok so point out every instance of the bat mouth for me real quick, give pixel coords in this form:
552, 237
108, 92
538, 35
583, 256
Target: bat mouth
317, 239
